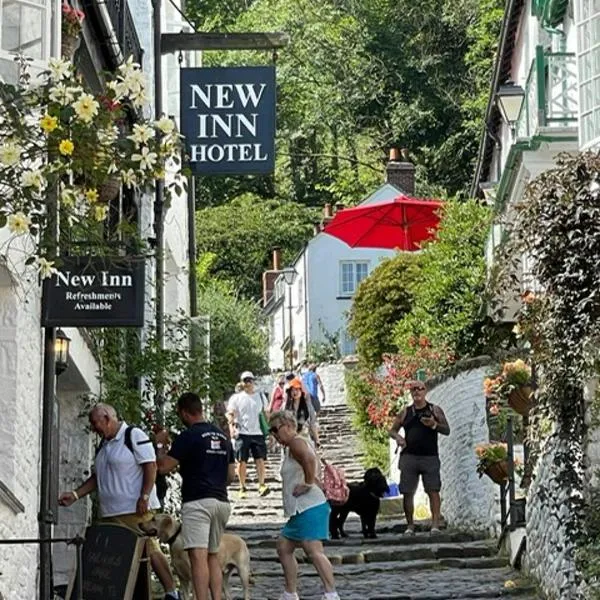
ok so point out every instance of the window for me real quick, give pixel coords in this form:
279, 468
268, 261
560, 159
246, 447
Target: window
348, 344
24, 28
300, 300
351, 274
588, 60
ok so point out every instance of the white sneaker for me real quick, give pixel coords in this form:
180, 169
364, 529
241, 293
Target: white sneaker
287, 596
330, 596
410, 530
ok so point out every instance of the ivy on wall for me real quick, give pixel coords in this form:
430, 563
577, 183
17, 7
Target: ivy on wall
558, 228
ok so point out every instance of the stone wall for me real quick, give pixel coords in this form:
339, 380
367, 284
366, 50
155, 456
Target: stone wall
20, 373
549, 556
468, 501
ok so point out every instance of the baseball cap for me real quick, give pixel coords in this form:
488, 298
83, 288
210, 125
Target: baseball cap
295, 383
247, 375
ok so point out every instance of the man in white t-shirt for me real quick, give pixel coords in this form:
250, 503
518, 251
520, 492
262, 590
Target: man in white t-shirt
243, 415
124, 477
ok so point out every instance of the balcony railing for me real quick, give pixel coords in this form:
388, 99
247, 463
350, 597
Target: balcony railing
550, 93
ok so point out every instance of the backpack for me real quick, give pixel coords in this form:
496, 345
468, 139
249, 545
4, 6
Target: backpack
334, 484
162, 483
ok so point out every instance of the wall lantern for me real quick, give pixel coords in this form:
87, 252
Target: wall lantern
62, 344
289, 275
510, 98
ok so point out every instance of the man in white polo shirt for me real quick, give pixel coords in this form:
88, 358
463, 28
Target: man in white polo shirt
124, 476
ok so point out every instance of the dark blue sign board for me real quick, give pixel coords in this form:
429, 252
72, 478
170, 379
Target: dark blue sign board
228, 119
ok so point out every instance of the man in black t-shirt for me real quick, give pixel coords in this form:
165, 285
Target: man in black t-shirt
205, 459
422, 422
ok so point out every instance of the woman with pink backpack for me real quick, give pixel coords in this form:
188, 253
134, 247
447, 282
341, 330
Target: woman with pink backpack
304, 504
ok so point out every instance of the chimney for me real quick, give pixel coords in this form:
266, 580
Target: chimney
269, 277
276, 259
327, 215
400, 172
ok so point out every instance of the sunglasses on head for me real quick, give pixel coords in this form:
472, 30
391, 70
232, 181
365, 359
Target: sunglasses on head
275, 429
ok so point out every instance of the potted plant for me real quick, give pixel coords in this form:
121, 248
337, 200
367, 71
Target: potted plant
512, 384
492, 461
71, 24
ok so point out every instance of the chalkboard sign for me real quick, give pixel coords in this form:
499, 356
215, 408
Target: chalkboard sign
114, 565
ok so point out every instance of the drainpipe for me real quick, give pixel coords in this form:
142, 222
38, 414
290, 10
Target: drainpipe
111, 39
159, 206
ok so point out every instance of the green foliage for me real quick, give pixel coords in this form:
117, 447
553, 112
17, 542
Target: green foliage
374, 442
132, 375
358, 78
237, 341
447, 304
588, 554
381, 300
327, 350
242, 234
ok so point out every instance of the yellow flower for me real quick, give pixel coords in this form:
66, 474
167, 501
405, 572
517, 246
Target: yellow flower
100, 212
19, 223
510, 584
86, 108
66, 147
48, 123
67, 197
159, 174
91, 196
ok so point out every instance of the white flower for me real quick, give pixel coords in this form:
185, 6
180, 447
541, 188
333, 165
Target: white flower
46, 268
128, 67
10, 154
33, 179
129, 178
146, 158
141, 134
62, 94
138, 99
67, 197
108, 136
59, 69
165, 125
135, 81
86, 108
19, 223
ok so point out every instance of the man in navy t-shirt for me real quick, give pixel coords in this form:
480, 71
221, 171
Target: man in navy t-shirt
205, 458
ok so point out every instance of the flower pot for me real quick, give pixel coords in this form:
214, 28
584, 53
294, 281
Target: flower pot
69, 45
518, 399
498, 472
109, 190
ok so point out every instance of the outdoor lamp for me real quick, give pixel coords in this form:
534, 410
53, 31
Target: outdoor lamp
510, 98
289, 275
61, 351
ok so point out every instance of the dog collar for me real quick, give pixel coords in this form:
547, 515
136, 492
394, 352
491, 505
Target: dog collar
174, 536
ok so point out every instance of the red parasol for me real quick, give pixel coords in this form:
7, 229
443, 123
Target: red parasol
401, 223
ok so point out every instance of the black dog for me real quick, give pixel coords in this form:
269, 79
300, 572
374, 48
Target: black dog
364, 500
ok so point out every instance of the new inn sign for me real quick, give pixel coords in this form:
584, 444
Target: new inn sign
95, 292
228, 119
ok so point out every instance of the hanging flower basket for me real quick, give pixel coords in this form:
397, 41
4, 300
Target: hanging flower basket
69, 45
110, 190
498, 472
518, 399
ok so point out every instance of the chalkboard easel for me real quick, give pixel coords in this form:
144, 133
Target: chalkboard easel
114, 565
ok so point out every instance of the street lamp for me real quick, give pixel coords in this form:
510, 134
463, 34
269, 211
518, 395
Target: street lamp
289, 276
61, 351
510, 98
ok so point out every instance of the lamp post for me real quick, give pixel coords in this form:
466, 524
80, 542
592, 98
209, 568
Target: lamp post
289, 276
509, 99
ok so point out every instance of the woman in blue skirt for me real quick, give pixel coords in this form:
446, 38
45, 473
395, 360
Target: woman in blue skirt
304, 505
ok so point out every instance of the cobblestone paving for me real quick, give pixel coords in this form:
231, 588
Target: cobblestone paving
449, 565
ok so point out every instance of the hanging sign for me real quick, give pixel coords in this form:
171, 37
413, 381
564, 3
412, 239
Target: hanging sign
228, 119
95, 292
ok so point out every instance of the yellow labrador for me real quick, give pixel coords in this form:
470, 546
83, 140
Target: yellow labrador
233, 554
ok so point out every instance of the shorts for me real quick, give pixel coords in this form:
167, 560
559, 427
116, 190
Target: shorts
204, 523
244, 445
308, 526
411, 466
131, 521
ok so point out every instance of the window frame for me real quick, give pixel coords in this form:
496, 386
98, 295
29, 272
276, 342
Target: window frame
345, 291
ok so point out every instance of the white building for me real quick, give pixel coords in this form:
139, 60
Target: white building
314, 308
550, 56
34, 30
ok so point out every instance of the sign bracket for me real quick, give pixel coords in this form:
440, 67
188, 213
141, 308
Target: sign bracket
173, 42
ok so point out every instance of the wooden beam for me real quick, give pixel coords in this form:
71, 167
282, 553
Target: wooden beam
173, 42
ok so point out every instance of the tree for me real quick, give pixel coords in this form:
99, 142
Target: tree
448, 308
381, 300
237, 340
242, 234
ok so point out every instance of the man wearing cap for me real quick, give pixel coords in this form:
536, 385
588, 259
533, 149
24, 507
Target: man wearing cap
243, 415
